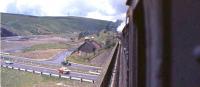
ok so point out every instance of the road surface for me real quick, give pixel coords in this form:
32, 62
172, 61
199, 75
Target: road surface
52, 71
61, 56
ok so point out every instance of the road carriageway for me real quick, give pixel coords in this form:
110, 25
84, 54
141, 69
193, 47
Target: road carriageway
51, 72
50, 64
49, 68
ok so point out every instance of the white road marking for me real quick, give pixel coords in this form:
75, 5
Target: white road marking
85, 65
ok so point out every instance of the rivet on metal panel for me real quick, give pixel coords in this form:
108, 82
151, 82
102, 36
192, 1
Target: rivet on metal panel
196, 53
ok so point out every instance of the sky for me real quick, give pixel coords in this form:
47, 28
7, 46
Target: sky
98, 9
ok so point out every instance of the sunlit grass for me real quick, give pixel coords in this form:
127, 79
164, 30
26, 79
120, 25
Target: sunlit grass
84, 58
15, 78
47, 46
81, 59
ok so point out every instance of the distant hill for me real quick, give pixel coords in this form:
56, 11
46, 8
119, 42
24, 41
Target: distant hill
17, 24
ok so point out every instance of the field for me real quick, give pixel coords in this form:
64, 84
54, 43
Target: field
42, 51
94, 60
36, 47
80, 59
14, 78
39, 54
47, 46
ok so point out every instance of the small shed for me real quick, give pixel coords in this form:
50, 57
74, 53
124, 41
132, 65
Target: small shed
89, 46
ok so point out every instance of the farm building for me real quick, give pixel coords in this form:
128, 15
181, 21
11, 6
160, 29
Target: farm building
89, 46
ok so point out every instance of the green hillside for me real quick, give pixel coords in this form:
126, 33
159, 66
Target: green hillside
37, 25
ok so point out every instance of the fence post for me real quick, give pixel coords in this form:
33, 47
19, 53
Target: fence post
59, 76
70, 77
81, 80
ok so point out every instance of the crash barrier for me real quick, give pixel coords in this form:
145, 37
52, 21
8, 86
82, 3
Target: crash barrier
49, 74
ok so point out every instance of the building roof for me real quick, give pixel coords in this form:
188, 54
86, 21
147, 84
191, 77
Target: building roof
89, 46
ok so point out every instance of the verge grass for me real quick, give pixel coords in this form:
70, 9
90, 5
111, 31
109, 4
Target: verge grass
15, 78
47, 46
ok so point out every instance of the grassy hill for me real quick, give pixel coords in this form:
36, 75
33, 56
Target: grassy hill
36, 25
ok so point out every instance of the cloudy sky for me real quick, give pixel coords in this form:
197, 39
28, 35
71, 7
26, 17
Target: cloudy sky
98, 9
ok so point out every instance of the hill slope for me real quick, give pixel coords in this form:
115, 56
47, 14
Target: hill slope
34, 25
